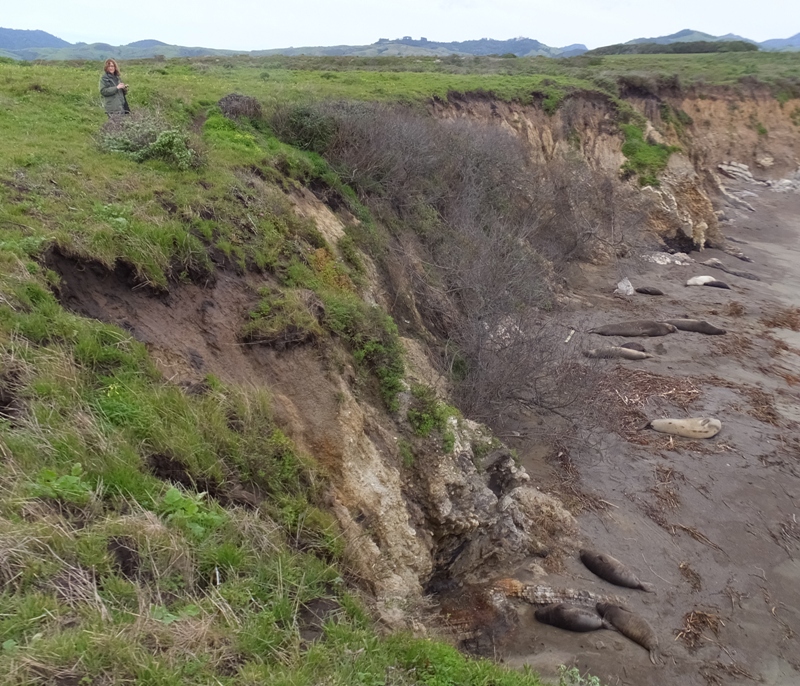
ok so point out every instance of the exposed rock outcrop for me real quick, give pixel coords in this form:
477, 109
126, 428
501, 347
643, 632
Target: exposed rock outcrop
483, 519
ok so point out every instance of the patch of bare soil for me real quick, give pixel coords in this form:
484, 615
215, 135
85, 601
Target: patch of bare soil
193, 330
714, 524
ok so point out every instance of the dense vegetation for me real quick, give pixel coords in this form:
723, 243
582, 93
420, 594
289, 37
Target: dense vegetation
157, 534
678, 48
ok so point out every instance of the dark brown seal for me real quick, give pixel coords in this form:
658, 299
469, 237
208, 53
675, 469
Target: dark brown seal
631, 626
571, 618
696, 325
649, 290
612, 570
638, 327
634, 345
717, 284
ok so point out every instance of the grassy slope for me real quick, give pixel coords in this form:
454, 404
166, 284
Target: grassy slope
212, 594
107, 573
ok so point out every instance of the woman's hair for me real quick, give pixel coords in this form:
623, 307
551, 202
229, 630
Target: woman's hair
114, 62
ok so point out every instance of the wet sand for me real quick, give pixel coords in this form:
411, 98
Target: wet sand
713, 524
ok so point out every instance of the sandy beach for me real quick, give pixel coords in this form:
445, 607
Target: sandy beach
713, 524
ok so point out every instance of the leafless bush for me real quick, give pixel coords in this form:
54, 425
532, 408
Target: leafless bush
236, 106
491, 229
521, 360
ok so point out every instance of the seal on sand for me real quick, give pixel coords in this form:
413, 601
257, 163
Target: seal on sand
634, 345
612, 570
707, 281
631, 626
571, 618
649, 290
618, 353
714, 262
699, 280
696, 325
695, 427
638, 327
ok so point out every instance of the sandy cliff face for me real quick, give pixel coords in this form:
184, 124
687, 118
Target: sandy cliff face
758, 130
583, 124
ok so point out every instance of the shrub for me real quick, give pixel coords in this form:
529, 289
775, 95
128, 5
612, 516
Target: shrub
235, 106
489, 227
145, 135
305, 127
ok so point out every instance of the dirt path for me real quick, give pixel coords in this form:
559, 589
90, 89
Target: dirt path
714, 524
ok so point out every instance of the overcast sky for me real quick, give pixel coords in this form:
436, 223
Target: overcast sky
244, 25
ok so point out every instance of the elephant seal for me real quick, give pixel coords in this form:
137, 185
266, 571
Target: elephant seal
634, 345
612, 570
707, 281
695, 427
638, 327
700, 280
696, 325
571, 618
614, 352
714, 262
631, 626
649, 290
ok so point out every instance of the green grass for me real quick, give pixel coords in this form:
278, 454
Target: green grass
644, 159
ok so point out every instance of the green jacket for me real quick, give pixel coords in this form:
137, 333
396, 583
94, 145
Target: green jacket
113, 97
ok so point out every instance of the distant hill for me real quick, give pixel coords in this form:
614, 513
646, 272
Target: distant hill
145, 44
522, 47
102, 51
792, 43
519, 47
15, 39
39, 45
688, 36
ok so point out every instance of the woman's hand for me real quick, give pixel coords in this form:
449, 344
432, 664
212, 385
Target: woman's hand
120, 86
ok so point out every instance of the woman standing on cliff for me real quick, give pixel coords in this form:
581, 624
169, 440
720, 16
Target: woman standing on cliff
113, 90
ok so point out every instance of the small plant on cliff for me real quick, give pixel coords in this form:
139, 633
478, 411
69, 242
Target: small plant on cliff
68, 488
373, 337
676, 117
427, 414
190, 512
283, 320
644, 159
571, 676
